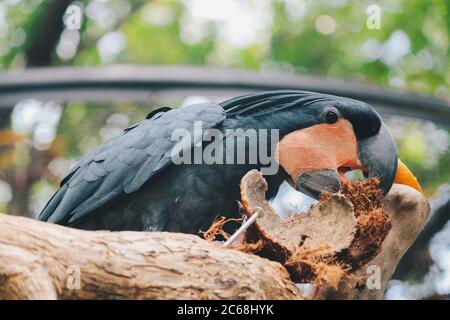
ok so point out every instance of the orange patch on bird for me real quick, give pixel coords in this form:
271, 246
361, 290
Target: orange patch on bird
321, 146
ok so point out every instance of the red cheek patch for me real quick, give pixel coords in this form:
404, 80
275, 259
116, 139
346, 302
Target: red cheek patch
322, 146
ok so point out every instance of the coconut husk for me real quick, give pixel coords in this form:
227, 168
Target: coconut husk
325, 245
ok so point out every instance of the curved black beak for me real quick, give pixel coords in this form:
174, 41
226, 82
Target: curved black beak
378, 155
313, 183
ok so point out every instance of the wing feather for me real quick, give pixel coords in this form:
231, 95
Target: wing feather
123, 164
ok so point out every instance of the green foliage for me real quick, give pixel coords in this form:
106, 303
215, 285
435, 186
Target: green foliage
291, 39
21, 21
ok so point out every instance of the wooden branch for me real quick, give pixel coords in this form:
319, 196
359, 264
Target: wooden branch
45, 261
408, 211
384, 232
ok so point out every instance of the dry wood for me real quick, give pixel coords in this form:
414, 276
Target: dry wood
408, 211
45, 261
329, 245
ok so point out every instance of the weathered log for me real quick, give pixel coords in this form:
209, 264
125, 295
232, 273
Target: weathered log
384, 234
408, 211
45, 261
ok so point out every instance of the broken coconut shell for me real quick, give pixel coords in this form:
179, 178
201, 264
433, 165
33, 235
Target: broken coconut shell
338, 235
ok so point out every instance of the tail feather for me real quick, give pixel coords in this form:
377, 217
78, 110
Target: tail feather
53, 203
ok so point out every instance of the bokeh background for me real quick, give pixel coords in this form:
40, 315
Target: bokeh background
40, 140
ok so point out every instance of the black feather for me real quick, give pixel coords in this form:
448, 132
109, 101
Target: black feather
123, 164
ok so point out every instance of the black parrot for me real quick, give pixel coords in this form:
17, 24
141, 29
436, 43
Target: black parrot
132, 183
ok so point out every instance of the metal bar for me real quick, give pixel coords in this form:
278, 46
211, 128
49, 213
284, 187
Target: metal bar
140, 83
243, 227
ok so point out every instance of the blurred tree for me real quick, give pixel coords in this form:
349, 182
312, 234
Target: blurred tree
331, 38
47, 27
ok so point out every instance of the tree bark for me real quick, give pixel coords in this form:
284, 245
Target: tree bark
408, 210
45, 261
416, 261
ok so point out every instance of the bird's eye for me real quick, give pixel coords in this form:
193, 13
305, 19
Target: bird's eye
331, 116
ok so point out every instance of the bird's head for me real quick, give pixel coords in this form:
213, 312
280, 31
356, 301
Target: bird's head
342, 135
324, 136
